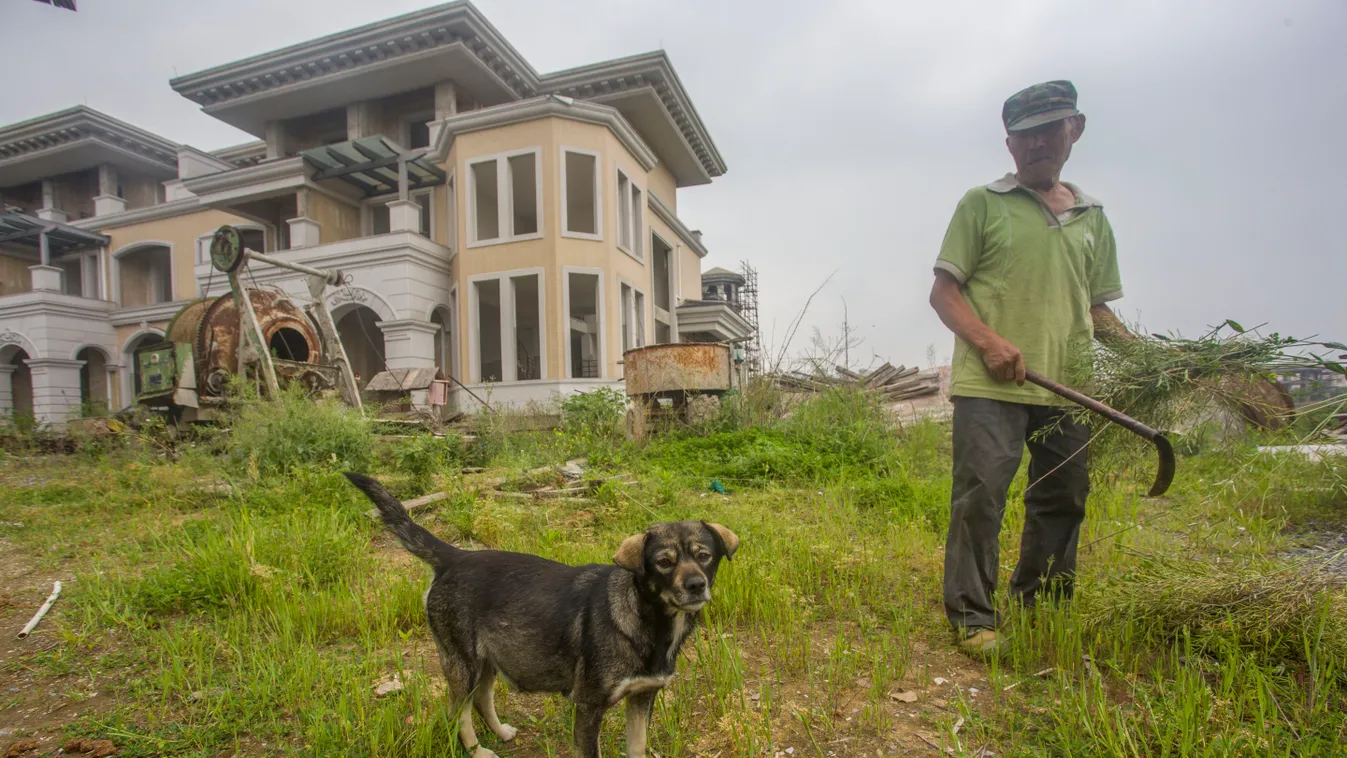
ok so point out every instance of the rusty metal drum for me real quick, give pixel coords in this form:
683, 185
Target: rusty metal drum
678, 367
211, 327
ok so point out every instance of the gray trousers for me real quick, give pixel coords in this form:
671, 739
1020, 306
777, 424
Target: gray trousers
989, 441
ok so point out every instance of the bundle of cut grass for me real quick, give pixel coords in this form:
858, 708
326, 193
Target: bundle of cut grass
1280, 611
1169, 381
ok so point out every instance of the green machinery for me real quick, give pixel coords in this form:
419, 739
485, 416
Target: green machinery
256, 333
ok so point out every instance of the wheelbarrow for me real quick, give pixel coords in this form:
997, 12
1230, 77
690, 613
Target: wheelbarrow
1165, 474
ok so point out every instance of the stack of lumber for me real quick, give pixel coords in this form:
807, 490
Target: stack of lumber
889, 381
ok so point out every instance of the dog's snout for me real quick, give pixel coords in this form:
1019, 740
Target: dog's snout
695, 583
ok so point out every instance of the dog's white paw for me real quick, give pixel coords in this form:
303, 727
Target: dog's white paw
506, 732
482, 752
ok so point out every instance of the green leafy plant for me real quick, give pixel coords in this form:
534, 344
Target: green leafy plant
591, 423
271, 437
421, 457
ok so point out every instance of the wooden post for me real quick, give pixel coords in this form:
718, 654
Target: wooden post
336, 352
253, 347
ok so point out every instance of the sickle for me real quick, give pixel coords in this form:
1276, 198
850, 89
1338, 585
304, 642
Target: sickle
1165, 474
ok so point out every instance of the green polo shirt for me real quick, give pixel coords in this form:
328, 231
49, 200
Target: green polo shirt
1031, 276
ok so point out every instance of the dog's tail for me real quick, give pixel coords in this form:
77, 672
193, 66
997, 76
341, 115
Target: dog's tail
414, 537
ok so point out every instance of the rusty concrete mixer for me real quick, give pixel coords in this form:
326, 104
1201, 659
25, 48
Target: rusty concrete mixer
249, 332
676, 382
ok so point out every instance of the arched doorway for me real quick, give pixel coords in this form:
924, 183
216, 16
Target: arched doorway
363, 341
131, 372
19, 408
93, 382
442, 320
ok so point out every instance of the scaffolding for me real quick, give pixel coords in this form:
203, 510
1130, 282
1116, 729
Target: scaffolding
748, 308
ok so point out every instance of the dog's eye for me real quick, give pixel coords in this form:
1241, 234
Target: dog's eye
703, 557
665, 562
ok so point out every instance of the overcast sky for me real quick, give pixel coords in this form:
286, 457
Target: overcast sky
1217, 134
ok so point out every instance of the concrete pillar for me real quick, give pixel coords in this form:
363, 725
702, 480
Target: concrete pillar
446, 105
46, 278
56, 390
360, 120
275, 137
409, 343
304, 232
107, 200
49, 211
6, 389
404, 216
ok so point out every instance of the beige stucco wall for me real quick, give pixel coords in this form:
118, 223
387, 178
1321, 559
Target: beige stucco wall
338, 220
553, 252
179, 232
663, 184
691, 282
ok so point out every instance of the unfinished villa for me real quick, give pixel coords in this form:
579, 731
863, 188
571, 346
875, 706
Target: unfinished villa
511, 230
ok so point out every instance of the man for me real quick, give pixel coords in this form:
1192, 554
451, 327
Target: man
1022, 279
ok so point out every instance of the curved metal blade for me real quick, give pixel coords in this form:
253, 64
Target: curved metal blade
1164, 475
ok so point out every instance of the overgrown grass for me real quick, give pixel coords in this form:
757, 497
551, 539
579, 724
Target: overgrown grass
257, 621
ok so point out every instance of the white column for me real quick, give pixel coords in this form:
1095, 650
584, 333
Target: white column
107, 200
49, 211
409, 343
404, 216
304, 231
56, 390
46, 278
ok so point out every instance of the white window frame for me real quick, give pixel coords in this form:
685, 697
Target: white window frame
672, 321
508, 353
451, 234
598, 194
454, 320
643, 323
636, 216
504, 197
566, 272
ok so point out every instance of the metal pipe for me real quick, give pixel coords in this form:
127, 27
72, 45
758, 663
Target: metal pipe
28, 628
328, 275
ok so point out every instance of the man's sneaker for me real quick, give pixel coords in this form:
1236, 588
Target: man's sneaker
980, 641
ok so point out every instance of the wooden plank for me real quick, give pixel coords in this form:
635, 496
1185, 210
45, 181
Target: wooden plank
415, 504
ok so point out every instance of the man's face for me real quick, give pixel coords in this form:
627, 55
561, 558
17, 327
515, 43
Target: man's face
1041, 152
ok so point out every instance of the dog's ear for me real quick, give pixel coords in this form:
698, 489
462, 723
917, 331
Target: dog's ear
729, 541
631, 553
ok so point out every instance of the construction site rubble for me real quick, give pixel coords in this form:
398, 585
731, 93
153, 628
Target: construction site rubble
889, 381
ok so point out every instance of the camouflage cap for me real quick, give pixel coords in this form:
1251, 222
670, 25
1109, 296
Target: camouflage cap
1039, 104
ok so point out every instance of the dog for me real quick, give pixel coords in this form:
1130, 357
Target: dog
597, 634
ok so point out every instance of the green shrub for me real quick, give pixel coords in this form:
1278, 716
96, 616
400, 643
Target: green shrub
422, 456
591, 423
274, 436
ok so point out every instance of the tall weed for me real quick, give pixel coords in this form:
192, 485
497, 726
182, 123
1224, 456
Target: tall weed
272, 437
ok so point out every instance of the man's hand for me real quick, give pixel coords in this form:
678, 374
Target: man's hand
1003, 360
